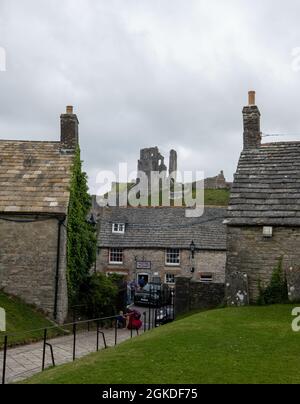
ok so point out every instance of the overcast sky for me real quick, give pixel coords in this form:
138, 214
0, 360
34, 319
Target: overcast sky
141, 73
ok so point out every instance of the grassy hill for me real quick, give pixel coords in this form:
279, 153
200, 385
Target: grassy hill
19, 319
212, 197
234, 345
216, 197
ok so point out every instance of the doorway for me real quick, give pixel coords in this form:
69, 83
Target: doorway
142, 279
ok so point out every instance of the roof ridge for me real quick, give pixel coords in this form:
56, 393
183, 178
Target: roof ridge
29, 141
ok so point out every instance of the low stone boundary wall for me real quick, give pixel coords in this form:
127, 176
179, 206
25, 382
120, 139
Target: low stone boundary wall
193, 295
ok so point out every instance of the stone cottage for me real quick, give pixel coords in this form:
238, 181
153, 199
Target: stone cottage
264, 211
161, 243
34, 199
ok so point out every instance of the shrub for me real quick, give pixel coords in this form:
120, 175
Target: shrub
98, 295
277, 291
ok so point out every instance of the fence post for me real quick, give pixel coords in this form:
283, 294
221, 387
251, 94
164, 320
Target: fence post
145, 319
173, 303
44, 349
116, 331
4, 359
150, 295
97, 336
74, 341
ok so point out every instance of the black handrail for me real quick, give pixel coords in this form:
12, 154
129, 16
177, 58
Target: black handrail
152, 313
44, 351
60, 326
4, 359
103, 336
45, 343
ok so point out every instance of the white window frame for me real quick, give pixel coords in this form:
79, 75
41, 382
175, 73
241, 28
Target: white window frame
206, 278
118, 228
166, 279
111, 252
168, 253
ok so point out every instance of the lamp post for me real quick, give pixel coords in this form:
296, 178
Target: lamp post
193, 248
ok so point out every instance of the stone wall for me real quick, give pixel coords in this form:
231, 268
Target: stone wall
250, 253
28, 260
193, 295
205, 262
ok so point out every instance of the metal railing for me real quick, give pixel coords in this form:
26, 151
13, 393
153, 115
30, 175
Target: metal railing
150, 320
75, 328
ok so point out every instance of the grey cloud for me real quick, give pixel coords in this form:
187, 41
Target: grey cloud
169, 73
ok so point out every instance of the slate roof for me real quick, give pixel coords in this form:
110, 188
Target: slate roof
266, 189
164, 227
34, 177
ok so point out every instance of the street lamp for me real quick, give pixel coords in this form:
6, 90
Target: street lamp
192, 248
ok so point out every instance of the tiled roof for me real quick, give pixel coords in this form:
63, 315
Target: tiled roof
34, 177
165, 227
266, 189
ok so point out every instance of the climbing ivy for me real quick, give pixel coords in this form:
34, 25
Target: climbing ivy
81, 242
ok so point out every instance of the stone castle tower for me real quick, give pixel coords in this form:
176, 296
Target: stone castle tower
152, 160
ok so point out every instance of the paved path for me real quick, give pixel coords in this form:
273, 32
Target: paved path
25, 361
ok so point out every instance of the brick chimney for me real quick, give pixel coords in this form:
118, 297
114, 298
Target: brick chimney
69, 129
251, 116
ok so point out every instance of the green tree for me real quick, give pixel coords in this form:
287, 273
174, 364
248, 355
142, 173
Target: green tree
81, 243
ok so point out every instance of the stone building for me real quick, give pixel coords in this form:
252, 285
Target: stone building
34, 198
161, 243
264, 212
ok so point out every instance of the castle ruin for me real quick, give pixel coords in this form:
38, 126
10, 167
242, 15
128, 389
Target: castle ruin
152, 160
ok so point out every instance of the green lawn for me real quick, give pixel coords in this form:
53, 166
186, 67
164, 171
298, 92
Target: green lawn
20, 318
233, 345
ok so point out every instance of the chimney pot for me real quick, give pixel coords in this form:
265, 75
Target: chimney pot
69, 110
251, 98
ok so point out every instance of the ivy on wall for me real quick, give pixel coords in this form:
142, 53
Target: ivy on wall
81, 242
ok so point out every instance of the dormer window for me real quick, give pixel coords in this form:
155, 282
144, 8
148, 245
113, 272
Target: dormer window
118, 228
